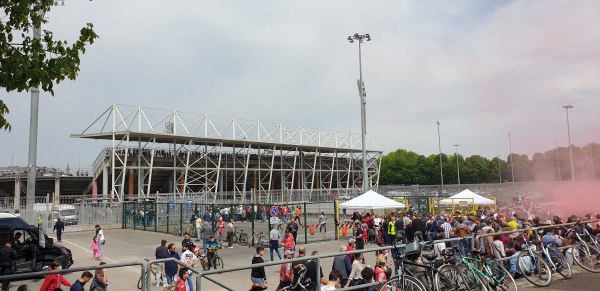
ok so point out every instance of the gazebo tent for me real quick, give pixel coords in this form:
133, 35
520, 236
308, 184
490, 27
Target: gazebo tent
371, 200
468, 197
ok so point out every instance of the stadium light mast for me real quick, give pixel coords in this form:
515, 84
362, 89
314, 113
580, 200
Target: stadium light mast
457, 166
512, 166
567, 107
363, 102
499, 174
557, 161
441, 168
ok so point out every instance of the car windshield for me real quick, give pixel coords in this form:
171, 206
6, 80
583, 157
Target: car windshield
68, 212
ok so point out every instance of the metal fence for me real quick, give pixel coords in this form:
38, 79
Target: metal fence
253, 219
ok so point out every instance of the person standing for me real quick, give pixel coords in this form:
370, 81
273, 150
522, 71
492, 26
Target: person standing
95, 248
323, 222
78, 285
7, 256
170, 268
101, 239
274, 238
230, 233
187, 257
343, 265
159, 253
207, 232
53, 281
298, 213
100, 281
221, 228
59, 227
293, 229
258, 274
288, 242
285, 273
40, 221
198, 225
183, 276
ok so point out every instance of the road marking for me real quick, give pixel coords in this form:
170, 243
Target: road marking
103, 258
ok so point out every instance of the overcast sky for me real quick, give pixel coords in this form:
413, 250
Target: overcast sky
482, 68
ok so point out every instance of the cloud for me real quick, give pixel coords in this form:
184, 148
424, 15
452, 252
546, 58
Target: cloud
482, 69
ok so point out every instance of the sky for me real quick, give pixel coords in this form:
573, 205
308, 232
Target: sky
481, 68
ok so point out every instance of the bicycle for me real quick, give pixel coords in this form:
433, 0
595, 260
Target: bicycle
437, 276
406, 281
533, 266
556, 260
584, 254
485, 274
240, 237
177, 231
153, 270
303, 283
216, 261
259, 239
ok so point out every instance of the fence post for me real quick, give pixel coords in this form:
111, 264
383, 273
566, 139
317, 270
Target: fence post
252, 216
181, 217
145, 218
134, 217
155, 215
336, 217
168, 218
123, 223
305, 226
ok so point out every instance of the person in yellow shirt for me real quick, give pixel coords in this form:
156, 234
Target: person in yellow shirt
513, 224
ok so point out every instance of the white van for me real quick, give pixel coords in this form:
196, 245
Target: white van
67, 213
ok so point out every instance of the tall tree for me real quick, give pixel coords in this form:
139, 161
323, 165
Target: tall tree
27, 62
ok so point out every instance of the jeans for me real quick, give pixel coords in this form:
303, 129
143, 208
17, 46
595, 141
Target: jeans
159, 276
464, 247
100, 244
525, 261
204, 243
274, 246
260, 281
170, 279
190, 282
432, 235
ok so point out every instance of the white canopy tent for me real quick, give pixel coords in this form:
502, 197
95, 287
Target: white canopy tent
372, 200
469, 197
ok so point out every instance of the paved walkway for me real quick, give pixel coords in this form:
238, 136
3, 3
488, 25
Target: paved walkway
130, 245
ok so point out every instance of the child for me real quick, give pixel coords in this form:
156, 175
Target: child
95, 249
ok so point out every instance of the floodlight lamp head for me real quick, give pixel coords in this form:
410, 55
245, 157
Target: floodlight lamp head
350, 39
356, 36
567, 106
368, 37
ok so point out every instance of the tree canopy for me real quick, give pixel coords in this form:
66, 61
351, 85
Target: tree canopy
410, 168
27, 62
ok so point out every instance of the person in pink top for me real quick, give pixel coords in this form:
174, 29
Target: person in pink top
95, 246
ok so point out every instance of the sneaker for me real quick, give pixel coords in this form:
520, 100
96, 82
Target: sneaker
230, 247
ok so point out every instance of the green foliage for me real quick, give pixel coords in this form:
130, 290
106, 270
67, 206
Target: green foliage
27, 62
409, 168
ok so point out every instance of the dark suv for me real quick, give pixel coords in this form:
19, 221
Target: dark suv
35, 249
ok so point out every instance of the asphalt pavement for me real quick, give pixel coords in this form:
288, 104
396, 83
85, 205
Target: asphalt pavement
132, 246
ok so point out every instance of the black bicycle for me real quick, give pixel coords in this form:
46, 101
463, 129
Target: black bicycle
432, 276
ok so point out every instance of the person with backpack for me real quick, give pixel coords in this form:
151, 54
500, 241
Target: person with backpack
358, 236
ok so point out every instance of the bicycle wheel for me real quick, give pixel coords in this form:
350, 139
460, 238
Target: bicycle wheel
410, 284
234, 238
449, 277
502, 278
243, 239
139, 285
218, 262
561, 264
475, 281
534, 268
586, 256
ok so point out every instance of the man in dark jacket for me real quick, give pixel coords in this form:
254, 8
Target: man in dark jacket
78, 285
258, 274
342, 264
7, 256
59, 227
418, 227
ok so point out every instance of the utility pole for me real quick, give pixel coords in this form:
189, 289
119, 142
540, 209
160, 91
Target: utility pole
567, 107
558, 161
457, 166
512, 165
441, 168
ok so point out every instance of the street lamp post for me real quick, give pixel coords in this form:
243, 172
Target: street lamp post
567, 107
557, 161
499, 174
441, 168
512, 165
457, 166
363, 102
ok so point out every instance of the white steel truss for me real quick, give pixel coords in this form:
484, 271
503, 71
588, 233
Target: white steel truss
186, 153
